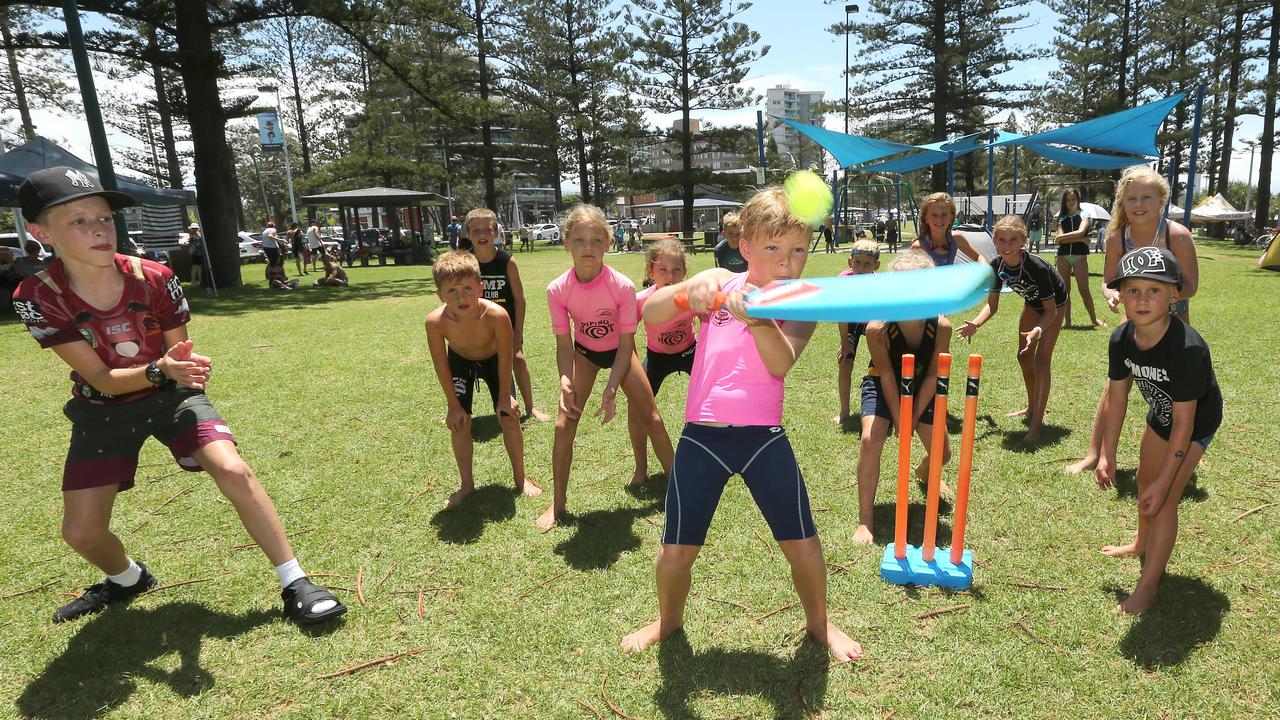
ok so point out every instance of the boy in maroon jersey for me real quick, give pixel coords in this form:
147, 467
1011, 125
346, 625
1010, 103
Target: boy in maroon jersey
120, 322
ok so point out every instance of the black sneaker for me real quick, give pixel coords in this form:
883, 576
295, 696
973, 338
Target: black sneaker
98, 596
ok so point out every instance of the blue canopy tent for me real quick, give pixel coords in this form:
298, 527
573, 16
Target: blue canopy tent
1128, 131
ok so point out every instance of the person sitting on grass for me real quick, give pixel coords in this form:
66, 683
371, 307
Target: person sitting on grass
334, 275
1170, 363
733, 425
864, 259
470, 339
276, 277
120, 323
887, 343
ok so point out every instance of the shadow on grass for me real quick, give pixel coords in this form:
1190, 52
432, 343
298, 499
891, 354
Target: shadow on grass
101, 666
465, 524
1127, 486
1050, 435
257, 296
885, 515
1187, 614
601, 536
485, 427
796, 688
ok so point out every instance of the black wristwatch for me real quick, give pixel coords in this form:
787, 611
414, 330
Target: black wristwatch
155, 375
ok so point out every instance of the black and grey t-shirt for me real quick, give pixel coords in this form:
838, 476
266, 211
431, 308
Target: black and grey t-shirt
1034, 279
1176, 369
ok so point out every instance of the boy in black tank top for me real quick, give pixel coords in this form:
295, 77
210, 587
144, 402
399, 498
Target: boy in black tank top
1170, 364
888, 342
1040, 285
501, 279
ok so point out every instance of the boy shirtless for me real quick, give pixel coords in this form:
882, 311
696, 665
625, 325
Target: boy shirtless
470, 339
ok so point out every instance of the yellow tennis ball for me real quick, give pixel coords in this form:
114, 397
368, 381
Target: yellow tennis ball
809, 197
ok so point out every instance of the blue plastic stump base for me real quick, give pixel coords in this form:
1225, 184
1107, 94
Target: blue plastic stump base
913, 570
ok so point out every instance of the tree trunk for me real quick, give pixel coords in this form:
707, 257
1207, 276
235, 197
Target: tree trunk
166, 122
297, 98
941, 96
1268, 146
19, 92
579, 134
1233, 80
215, 171
686, 137
486, 126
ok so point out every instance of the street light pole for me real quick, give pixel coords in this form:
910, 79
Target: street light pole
284, 141
848, 9
1248, 181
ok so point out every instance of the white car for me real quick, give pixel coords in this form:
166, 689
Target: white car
545, 231
251, 248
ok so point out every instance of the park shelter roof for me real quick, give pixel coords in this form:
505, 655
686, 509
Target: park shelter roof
850, 150
1128, 131
41, 153
697, 203
374, 197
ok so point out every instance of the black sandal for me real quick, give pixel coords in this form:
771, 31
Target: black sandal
302, 596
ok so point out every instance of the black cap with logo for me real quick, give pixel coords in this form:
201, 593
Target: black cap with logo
57, 185
1148, 263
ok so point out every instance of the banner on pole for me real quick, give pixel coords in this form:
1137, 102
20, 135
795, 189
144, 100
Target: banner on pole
270, 135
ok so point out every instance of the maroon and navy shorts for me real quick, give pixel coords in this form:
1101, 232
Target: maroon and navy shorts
106, 439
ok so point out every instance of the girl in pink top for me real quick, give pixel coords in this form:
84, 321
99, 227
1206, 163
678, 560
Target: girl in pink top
600, 304
734, 416
669, 344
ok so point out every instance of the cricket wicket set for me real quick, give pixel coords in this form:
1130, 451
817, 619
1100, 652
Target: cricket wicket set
905, 564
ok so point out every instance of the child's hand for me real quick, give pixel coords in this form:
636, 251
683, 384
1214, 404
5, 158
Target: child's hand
845, 349
1152, 499
608, 405
568, 404
1029, 338
967, 330
1104, 473
702, 292
1113, 299
457, 419
179, 367
735, 303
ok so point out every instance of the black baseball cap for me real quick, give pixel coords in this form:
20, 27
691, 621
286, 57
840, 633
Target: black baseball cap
1148, 263
61, 184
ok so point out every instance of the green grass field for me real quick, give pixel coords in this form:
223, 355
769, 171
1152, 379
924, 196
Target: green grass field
333, 400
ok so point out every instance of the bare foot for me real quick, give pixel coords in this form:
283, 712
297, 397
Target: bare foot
1098, 323
644, 637
945, 491
1139, 602
1033, 434
539, 415
528, 488
841, 646
1122, 551
1088, 463
547, 520
640, 477
456, 499
1016, 413
863, 536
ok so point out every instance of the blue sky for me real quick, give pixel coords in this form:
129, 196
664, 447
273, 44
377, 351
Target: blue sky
802, 54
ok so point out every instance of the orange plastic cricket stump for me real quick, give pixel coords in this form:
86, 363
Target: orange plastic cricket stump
952, 567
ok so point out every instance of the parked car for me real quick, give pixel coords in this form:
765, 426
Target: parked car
14, 243
545, 231
251, 248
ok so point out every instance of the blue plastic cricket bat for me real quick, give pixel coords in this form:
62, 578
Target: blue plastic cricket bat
890, 296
